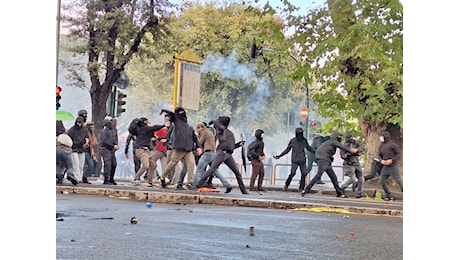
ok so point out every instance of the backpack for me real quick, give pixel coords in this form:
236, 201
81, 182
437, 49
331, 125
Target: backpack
318, 141
134, 126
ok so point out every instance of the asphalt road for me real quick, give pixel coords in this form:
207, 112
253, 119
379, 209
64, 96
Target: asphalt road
95, 227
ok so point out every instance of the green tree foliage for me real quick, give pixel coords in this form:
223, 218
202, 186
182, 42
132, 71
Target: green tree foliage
107, 34
232, 84
352, 51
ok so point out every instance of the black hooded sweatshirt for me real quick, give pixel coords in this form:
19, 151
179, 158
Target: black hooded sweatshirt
184, 138
108, 137
389, 149
298, 144
256, 147
78, 135
327, 150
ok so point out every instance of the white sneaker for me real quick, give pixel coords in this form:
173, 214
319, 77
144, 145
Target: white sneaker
136, 183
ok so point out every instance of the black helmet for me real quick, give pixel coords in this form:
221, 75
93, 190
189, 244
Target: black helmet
82, 112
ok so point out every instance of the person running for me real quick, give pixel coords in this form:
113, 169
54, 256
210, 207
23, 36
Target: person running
389, 152
256, 155
299, 146
207, 140
224, 152
324, 157
351, 165
315, 143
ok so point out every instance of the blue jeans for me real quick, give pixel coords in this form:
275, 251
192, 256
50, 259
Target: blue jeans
205, 159
355, 174
90, 162
63, 160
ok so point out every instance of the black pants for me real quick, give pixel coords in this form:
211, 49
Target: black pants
227, 158
325, 166
110, 163
376, 168
303, 173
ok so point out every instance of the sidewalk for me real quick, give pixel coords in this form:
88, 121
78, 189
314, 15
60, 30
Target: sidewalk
321, 198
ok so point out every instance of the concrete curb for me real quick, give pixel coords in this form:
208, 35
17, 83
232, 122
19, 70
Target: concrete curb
166, 197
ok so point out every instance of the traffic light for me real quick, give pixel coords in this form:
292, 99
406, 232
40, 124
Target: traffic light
120, 103
58, 97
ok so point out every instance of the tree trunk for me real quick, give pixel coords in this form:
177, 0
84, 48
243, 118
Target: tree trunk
343, 16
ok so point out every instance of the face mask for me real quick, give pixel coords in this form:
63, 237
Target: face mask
382, 139
339, 138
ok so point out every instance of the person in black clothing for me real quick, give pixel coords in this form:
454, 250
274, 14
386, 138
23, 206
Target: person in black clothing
389, 152
324, 158
299, 145
224, 152
144, 150
136, 160
108, 146
183, 144
351, 165
315, 143
256, 155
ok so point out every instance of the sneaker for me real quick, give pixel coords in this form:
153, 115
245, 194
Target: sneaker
389, 199
252, 189
341, 196
72, 180
229, 189
85, 180
304, 192
320, 182
179, 187
260, 189
189, 186
245, 192
359, 196
285, 188
136, 182
150, 185
113, 182
163, 184
107, 182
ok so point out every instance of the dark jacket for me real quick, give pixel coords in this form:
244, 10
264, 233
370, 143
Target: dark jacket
79, 134
299, 146
389, 149
131, 138
108, 137
144, 134
327, 150
256, 147
184, 138
225, 136
351, 159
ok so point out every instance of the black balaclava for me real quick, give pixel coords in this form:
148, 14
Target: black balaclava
386, 136
180, 114
299, 133
81, 120
258, 134
349, 137
224, 120
84, 114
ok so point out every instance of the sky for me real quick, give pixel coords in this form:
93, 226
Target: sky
431, 95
